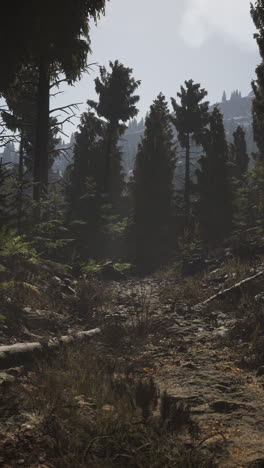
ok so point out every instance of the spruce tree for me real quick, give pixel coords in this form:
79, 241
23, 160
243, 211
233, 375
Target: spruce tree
239, 156
117, 104
84, 185
153, 188
215, 212
257, 13
55, 37
190, 119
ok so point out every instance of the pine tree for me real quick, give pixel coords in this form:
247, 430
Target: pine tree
224, 99
55, 37
190, 119
257, 13
215, 213
153, 188
117, 104
85, 185
239, 156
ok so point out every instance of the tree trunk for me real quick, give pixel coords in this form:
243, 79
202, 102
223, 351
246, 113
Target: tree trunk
187, 185
112, 131
20, 184
41, 160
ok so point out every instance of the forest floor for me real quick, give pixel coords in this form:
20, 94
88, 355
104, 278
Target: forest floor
208, 360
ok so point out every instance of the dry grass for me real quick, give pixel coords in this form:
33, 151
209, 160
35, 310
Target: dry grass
85, 414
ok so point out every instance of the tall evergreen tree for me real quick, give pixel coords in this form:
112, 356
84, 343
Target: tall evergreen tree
215, 212
257, 13
117, 104
239, 156
55, 37
190, 119
84, 184
153, 187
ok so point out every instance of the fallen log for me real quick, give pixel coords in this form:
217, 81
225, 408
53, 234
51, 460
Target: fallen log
222, 294
21, 353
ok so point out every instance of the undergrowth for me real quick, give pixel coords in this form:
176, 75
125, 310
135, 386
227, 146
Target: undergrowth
88, 414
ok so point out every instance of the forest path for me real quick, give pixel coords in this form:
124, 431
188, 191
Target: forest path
197, 363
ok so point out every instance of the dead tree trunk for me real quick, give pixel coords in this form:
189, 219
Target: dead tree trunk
229, 291
23, 353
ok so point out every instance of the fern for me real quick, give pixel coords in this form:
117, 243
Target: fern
13, 284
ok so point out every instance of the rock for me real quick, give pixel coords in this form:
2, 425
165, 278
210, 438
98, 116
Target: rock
259, 298
15, 371
188, 365
57, 281
260, 371
6, 378
221, 332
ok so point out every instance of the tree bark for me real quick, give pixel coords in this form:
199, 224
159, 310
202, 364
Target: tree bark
187, 185
22, 353
20, 184
111, 137
41, 156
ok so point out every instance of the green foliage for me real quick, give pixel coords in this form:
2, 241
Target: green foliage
122, 266
249, 199
215, 202
11, 244
152, 188
9, 285
190, 119
50, 237
257, 13
238, 154
91, 267
117, 102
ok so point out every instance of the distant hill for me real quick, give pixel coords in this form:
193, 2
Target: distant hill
236, 111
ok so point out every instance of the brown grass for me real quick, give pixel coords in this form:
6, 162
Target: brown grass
83, 413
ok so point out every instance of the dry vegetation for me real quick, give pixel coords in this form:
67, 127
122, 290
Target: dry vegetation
80, 411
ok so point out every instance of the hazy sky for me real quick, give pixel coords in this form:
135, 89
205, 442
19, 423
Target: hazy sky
167, 42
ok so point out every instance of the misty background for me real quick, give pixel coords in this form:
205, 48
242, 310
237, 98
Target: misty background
206, 40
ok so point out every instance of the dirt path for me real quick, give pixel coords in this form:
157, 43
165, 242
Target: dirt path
190, 356
198, 364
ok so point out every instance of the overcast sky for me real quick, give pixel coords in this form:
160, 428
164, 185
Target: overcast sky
167, 42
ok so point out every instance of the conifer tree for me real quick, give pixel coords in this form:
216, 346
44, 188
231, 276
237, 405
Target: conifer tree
239, 156
153, 187
224, 99
190, 119
85, 184
55, 37
215, 212
257, 13
117, 104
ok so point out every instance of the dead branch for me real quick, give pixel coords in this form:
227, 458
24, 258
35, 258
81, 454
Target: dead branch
18, 353
226, 292
69, 106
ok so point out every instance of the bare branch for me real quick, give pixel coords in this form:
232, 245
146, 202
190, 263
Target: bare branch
70, 106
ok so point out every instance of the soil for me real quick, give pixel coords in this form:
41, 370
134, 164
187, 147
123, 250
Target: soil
191, 355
